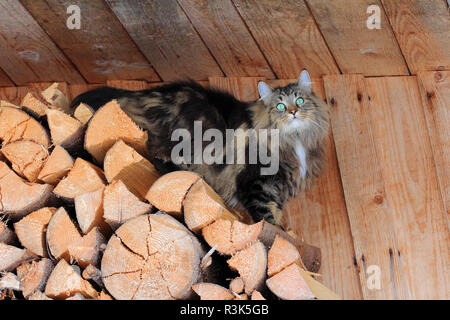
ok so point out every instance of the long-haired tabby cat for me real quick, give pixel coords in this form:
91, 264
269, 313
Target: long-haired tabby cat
299, 115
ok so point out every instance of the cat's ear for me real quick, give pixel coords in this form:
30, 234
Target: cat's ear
304, 81
264, 90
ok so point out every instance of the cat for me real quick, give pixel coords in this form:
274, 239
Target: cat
300, 117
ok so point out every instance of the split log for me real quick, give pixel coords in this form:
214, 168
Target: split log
34, 105
65, 130
6, 235
203, 206
242, 296
34, 275
83, 177
56, 167
251, 264
31, 230
65, 282
212, 291
168, 192
76, 296
11, 257
9, 281
87, 249
289, 284
83, 113
26, 157
237, 285
16, 124
232, 236
108, 125
120, 205
56, 98
319, 290
152, 257
281, 254
123, 163
256, 295
20, 198
38, 295
4, 103
89, 211
61, 233
94, 274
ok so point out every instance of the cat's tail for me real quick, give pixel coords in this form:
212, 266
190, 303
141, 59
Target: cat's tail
98, 97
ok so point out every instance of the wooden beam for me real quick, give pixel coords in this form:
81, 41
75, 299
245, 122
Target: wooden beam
288, 36
243, 88
166, 37
435, 89
412, 188
319, 217
422, 29
101, 49
28, 54
358, 49
226, 35
5, 81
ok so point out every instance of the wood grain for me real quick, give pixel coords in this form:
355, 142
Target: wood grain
412, 188
435, 92
5, 81
422, 29
28, 54
77, 89
288, 36
368, 208
243, 88
319, 217
356, 48
128, 85
13, 95
101, 49
166, 37
225, 34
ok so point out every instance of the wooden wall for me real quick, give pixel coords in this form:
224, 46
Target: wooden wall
164, 40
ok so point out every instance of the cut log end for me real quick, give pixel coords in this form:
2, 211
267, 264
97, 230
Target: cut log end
212, 291
56, 167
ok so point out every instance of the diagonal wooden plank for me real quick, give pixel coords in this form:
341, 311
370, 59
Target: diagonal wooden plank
288, 36
101, 49
412, 188
76, 89
166, 37
226, 35
243, 88
13, 95
368, 207
319, 217
423, 32
435, 92
357, 49
128, 85
5, 81
28, 54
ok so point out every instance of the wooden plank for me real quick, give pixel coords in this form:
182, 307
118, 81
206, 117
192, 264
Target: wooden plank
5, 81
14, 95
288, 37
435, 92
422, 29
128, 85
101, 49
362, 178
225, 34
28, 54
166, 37
243, 88
319, 217
412, 188
357, 49
77, 89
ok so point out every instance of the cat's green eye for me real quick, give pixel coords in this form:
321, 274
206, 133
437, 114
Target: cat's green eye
299, 102
281, 107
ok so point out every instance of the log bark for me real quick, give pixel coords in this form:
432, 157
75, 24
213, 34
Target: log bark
31, 230
168, 192
19, 198
16, 124
123, 163
87, 250
56, 167
120, 205
61, 233
6, 234
212, 291
94, 274
34, 275
108, 125
26, 157
83, 177
65, 130
65, 282
89, 211
152, 257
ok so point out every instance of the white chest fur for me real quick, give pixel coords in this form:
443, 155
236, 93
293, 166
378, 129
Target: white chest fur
301, 154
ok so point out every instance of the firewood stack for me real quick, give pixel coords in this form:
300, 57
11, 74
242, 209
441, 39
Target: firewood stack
86, 216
